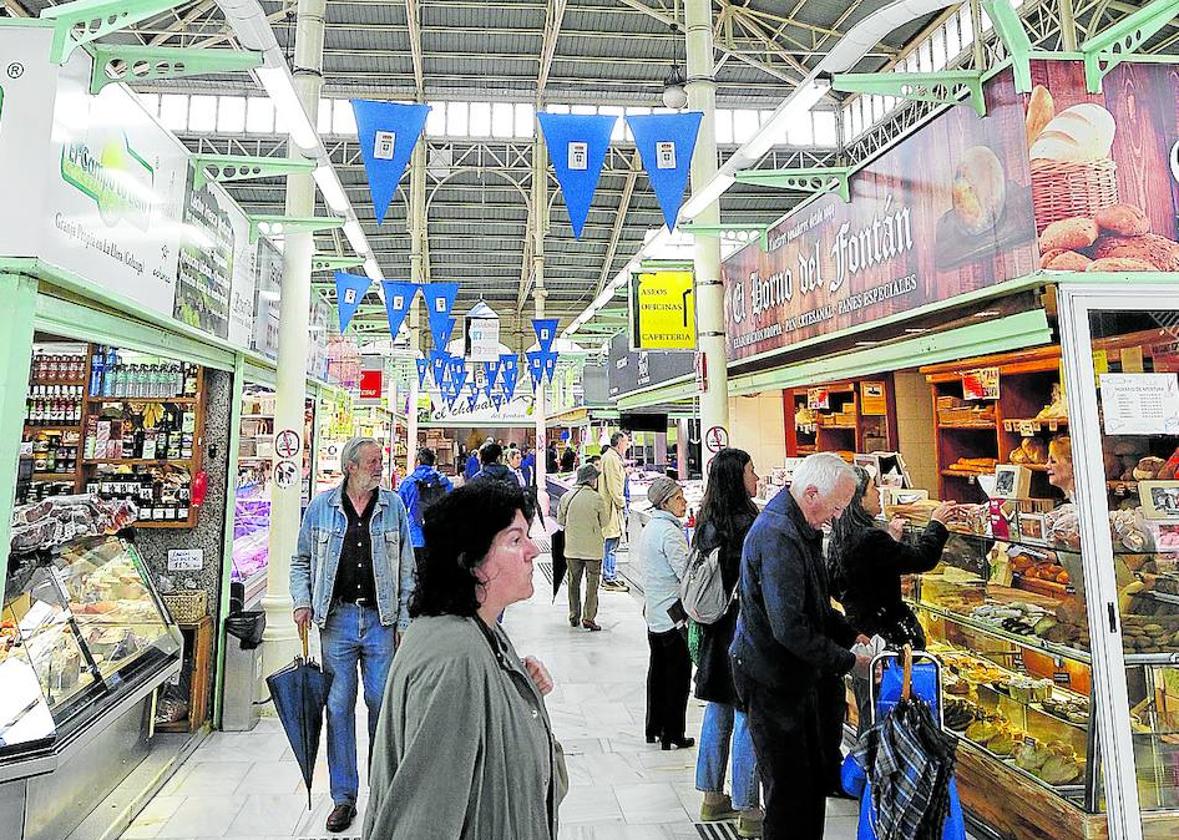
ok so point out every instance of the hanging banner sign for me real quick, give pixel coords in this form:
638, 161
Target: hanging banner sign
663, 311
423, 368
666, 143
372, 385
439, 301
472, 401
481, 340
546, 332
509, 370
497, 399
438, 366
577, 145
350, 290
549, 363
536, 366
398, 299
387, 132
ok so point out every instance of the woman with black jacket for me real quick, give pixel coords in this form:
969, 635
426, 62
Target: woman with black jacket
726, 515
865, 564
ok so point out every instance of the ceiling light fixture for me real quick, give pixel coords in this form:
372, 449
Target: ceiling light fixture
675, 96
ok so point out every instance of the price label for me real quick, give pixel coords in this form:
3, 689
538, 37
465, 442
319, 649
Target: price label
186, 559
1062, 678
1027, 428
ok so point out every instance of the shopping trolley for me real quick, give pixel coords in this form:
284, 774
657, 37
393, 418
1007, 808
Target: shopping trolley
902, 675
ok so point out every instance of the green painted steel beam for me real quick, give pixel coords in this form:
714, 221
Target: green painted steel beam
84, 21
331, 262
819, 179
130, 63
223, 168
1009, 27
719, 230
1106, 51
945, 87
278, 225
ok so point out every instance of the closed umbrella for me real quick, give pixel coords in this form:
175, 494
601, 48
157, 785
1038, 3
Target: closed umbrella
560, 564
300, 693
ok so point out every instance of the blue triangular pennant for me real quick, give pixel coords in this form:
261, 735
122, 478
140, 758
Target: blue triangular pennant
497, 399
398, 299
536, 366
423, 368
439, 301
438, 362
549, 362
577, 145
546, 332
350, 290
490, 375
509, 369
387, 133
471, 401
666, 143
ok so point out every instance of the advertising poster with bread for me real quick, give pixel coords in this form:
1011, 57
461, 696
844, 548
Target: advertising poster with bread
1103, 190
946, 211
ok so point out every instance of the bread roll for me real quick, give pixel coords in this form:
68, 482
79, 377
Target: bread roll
1158, 251
1071, 234
1041, 110
1123, 219
1069, 261
1120, 264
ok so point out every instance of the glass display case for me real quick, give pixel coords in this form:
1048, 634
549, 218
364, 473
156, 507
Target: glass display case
85, 620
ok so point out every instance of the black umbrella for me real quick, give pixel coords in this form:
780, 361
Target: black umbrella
300, 693
560, 564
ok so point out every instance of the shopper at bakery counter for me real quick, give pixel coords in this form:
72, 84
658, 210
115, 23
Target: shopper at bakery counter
352, 575
788, 638
466, 749
727, 513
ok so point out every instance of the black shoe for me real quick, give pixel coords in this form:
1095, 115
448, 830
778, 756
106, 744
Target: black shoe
679, 743
341, 817
573, 622
651, 739
591, 625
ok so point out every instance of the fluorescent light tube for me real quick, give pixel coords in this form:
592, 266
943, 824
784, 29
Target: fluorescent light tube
329, 185
355, 235
287, 106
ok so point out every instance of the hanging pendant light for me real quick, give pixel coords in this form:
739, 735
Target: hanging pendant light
674, 94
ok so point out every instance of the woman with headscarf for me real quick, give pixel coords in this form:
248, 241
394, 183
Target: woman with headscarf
465, 749
664, 550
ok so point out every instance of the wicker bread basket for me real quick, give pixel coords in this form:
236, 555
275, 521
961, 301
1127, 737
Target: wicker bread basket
187, 607
1064, 189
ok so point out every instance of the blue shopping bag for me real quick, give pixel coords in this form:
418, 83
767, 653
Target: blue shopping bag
855, 783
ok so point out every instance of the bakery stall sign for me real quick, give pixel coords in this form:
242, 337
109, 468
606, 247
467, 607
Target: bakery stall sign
945, 212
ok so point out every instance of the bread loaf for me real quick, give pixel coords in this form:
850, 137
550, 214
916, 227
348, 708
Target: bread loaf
979, 190
1081, 133
1119, 264
1123, 219
1071, 234
1156, 250
1069, 261
1041, 110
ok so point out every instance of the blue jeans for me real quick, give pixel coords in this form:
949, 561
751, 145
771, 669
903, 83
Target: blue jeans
722, 722
353, 635
610, 559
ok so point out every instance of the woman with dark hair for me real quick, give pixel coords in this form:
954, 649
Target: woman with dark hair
865, 563
465, 749
726, 515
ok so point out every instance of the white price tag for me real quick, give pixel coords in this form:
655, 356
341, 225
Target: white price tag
186, 559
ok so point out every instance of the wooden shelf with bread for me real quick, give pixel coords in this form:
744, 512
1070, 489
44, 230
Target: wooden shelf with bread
993, 410
846, 417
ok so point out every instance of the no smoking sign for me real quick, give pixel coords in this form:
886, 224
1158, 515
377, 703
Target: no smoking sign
287, 443
716, 439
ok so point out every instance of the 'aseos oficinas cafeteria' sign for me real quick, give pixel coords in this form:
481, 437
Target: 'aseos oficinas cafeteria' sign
946, 211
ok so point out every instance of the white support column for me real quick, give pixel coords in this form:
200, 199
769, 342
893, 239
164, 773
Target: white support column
710, 302
540, 206
294, 316
417, 274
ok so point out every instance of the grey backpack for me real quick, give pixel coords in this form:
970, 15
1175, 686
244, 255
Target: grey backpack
702, 591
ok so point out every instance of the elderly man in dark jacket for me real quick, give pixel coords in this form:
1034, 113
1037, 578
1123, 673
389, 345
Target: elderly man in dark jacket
789, 642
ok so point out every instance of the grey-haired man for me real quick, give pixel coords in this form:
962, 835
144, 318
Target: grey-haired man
353, 575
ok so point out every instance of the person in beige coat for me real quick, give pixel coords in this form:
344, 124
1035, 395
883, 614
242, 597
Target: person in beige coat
613, 484
583, 514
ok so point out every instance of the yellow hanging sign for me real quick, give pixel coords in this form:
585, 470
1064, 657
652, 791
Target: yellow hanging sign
663, 311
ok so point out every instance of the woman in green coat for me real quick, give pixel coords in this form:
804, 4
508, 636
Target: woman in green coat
464, 748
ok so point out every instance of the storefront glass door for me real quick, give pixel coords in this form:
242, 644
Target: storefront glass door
1121, 357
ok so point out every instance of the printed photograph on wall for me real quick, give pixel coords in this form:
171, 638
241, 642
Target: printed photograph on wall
1103, 181
205, 274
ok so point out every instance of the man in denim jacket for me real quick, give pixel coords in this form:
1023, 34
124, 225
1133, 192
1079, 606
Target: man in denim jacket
353, 575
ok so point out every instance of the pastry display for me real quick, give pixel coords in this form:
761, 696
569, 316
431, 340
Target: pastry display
1057, 408
974, 466
1031, 450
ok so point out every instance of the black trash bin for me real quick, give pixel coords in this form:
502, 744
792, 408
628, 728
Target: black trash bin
244, 685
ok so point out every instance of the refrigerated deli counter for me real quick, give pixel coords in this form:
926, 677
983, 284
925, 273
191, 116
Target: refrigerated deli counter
85, 641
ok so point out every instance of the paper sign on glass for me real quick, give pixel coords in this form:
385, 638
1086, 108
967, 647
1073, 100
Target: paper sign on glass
384, 144
665, 155
1140, 403
579, 156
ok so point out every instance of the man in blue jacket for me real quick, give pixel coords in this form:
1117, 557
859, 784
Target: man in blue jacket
420, 489
352, 575
789, 641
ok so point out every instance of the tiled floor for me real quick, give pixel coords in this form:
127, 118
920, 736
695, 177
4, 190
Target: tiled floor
247, 786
